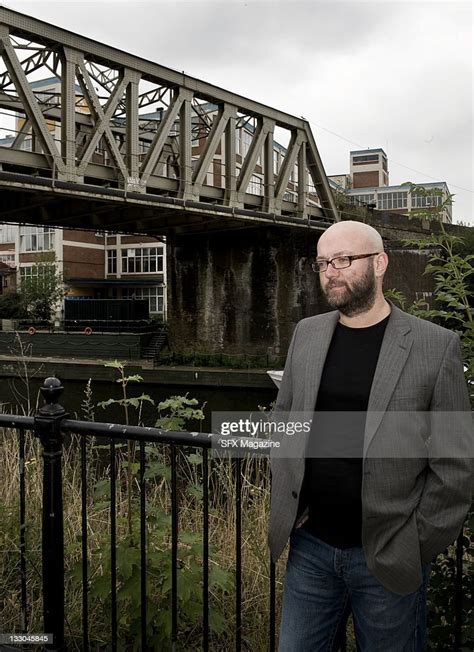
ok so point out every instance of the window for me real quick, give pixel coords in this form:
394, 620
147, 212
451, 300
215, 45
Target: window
294, 173
37, 272
255, 186
362, 199
8, 259
276, 167
36, 238
426, 201
153, 294
366, 158
243, 141
111, 261
147, 260
7, 232
390, 200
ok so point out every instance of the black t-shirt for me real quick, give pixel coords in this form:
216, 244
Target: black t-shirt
332, 483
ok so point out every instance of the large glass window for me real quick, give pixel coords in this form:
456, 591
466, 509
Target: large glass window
37, 271
255, 186
7, 232
8, 259
426, 201
36, 238
365, 158
111, 261
243, 140
145, 260
276, 166
369, 198
388, 200
155, 296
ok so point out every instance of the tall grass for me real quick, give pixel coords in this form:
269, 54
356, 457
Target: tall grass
222, 530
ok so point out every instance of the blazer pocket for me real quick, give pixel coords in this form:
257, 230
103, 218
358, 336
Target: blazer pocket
411, 398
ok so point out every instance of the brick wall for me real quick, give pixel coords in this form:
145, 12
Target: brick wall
365, 179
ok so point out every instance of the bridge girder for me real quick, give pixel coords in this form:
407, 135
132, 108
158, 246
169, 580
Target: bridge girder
90, 140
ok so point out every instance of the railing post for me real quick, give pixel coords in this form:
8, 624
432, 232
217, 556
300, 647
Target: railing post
48, 429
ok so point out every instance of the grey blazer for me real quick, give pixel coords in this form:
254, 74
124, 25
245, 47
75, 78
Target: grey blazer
412, 508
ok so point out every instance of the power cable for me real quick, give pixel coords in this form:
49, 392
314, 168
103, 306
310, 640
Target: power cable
352, 142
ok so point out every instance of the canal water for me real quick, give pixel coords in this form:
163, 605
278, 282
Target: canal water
13, 398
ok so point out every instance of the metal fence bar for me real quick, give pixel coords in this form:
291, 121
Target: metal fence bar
85, 579
205, 551
238, 555
24, 606
143, 594
174, 550
113, 545
47, 426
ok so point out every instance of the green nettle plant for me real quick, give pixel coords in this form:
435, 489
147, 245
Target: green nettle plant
452, 272
173, 414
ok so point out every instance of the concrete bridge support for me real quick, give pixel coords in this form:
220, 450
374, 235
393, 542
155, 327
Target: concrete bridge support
245, 293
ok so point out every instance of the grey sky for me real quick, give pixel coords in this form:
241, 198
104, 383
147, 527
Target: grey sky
397, 75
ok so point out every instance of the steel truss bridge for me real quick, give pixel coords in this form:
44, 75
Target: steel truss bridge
94, 137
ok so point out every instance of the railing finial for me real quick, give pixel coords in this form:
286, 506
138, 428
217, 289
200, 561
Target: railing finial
51, 391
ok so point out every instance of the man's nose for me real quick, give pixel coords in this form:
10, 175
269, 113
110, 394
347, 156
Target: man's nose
330, 271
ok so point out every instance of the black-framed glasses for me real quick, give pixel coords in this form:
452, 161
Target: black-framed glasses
339, 262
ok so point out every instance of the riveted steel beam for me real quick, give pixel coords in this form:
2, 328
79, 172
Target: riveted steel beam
268, 174
318, 176
302, 182
102, 126
162, 134
230, 195
31, 107
186, 190
132, 134
70, 59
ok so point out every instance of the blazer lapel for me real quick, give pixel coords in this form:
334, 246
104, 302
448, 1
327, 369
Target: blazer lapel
318, 346
394, 352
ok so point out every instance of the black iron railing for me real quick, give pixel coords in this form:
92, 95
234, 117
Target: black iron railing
51, 426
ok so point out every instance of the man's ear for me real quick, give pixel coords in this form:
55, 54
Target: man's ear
381, 264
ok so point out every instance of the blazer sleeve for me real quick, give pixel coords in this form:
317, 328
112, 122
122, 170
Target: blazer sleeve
447, 493
285, 393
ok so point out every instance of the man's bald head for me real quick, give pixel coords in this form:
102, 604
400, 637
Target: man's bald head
353, 288
342, 236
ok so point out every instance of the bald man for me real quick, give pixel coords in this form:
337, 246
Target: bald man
370, 497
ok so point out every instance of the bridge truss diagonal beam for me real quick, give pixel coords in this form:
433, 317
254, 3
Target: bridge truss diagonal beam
117, 121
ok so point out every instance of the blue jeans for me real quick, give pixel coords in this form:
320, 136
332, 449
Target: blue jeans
324, 584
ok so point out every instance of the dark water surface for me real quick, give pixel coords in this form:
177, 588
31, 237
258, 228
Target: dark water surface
215, 398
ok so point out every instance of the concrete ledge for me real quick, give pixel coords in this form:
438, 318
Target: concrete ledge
70, 369
121, 346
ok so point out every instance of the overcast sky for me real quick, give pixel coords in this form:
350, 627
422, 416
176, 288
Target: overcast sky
397, 75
